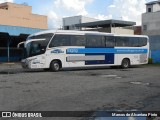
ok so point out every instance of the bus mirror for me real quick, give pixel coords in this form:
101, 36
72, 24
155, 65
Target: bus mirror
21, 43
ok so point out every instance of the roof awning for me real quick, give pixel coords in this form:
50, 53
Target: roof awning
153, 2
16, 30
106, 23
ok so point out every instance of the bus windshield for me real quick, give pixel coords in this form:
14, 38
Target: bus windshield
37, 44
35, 48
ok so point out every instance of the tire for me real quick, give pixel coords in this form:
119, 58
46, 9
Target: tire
55, 66
125, 63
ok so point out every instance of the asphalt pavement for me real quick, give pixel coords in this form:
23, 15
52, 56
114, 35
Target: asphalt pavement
92, 89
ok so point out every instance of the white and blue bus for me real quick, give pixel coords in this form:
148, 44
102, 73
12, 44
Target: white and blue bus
62, 49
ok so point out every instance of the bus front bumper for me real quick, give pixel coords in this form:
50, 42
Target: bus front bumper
32, 63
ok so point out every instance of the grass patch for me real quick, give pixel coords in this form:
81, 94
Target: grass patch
153, 64
150, 61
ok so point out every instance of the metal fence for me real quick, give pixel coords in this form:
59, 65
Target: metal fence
15, 55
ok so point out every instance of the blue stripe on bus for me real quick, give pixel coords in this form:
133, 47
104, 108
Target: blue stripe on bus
109, 59
105, 50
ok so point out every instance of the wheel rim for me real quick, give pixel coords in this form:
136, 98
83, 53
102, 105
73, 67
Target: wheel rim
56, 66
125, 64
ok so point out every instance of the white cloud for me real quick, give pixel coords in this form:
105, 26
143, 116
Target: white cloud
54, 20
73, 6
112, 6
119, 9
61, 8
127, 10
103, 17
2, 1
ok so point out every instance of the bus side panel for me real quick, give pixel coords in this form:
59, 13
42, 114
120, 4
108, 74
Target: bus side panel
57, 53
108, 58
120, 57
83, 56
135, 59
74, 60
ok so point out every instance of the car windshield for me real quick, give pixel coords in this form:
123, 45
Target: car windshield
37, 45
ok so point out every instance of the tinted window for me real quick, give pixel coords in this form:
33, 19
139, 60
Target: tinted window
60, 40
45, 42
95, 41
130, 41
47, 36
143, 41
122, 41
134, 42
110, 42
36, 48
77, 40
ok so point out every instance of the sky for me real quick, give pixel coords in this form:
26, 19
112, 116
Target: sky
129, 10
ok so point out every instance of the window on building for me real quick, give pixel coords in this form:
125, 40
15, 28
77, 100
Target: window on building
149, 10
67, 27
144, 27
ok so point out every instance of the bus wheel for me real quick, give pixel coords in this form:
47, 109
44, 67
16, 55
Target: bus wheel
55, 66
125, 63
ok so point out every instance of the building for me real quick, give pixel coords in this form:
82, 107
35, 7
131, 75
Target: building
21, 15
91, 24
109, 26
137, 30
151, 27
16, 23
151, 19
69, 22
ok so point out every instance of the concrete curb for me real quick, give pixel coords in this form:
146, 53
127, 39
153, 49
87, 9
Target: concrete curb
9, 63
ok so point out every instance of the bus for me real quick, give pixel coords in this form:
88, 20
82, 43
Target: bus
54, 50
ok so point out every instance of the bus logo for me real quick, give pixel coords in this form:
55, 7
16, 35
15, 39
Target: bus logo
57, 51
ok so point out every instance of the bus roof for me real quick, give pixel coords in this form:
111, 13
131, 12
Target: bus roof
74, 32
71, 32
124, 35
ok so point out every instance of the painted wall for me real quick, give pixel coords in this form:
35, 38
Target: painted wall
118, 30
71, 21
21, 15
151, 23
155, 48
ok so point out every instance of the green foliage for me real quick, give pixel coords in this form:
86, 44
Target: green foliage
150, 61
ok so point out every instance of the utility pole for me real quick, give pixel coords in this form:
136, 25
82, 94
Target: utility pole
8, 48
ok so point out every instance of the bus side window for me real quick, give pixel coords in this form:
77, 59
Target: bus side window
77, 40
94, 41
134, 41
143, 41
110, 42
122, 41
60, 40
